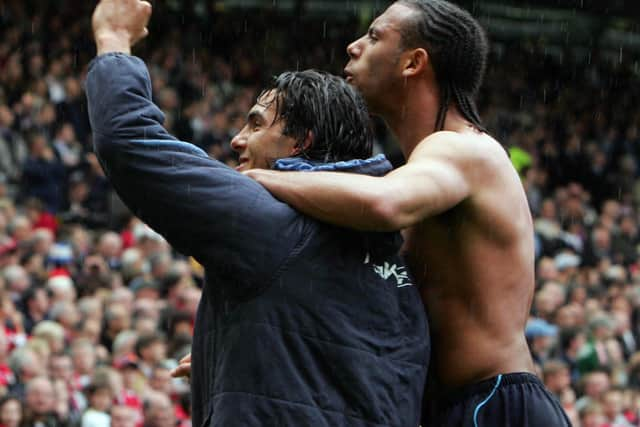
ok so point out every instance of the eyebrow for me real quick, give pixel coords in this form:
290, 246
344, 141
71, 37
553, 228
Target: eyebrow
254, 115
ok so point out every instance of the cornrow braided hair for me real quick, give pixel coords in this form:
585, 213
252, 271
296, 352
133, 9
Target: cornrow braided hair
457, 46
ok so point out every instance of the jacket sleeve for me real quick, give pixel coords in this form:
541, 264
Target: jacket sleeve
228, 222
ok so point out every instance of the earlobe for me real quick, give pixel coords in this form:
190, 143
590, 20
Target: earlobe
415, 63
306, 144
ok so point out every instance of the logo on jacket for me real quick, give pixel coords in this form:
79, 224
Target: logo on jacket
386, 271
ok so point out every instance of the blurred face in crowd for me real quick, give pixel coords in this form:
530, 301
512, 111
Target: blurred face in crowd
596, 384
159, 411
161, 380
84, 358
261, 142
593, 418
101, 399
60, 367
612, 404
122, 416
558, 381
39, 396
11, 413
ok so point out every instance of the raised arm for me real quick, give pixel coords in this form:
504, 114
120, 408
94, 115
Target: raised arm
434, 179
199, 205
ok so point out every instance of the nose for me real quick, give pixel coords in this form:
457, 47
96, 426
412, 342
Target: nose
354, 49
239, 141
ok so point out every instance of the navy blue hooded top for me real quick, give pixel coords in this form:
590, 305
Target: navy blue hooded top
300, 323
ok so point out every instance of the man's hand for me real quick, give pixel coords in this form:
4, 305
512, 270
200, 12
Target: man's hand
184, 367
119, 24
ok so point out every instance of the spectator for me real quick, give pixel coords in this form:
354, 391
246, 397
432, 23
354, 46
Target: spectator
122, 416
10, 412
40, 404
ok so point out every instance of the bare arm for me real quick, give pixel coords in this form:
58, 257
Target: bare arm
434, 180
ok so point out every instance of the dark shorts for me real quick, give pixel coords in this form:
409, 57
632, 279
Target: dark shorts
513, 400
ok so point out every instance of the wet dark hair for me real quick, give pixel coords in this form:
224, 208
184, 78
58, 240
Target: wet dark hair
329, 108
458, 48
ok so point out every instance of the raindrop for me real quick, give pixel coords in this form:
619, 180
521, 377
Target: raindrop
324, 30
620, 56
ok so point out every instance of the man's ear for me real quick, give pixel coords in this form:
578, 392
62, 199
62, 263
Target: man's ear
415, 62
306, 144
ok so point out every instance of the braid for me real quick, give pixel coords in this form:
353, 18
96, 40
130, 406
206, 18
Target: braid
457, 47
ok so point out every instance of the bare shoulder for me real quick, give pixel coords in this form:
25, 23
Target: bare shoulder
461, 147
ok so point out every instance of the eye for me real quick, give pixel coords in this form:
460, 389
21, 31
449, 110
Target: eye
371, 35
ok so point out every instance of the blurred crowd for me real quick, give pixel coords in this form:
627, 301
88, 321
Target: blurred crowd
96, 308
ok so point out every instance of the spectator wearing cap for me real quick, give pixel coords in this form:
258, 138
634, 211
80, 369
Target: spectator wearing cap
540, 335
567, 263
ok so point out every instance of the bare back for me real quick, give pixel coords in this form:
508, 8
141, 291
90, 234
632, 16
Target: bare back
475, 265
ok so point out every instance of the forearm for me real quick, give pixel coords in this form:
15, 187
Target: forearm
347, 200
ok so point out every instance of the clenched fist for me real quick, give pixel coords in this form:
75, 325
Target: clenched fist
119, 24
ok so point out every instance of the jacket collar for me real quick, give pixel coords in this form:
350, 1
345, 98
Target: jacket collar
374, 166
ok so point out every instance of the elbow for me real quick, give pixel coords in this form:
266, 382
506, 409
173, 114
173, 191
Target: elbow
387, 214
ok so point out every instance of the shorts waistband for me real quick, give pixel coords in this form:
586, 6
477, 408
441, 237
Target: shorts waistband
485, 387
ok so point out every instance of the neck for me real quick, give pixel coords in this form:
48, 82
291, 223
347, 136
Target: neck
416, 120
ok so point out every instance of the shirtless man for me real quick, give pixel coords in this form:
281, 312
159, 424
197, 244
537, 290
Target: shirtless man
469, 235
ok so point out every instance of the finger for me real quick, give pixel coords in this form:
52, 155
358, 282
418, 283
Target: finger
183, 370
186, 359
146, 8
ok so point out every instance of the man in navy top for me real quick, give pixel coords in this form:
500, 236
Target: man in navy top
300, 323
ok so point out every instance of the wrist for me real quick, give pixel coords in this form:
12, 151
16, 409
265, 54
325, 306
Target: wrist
113, 41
